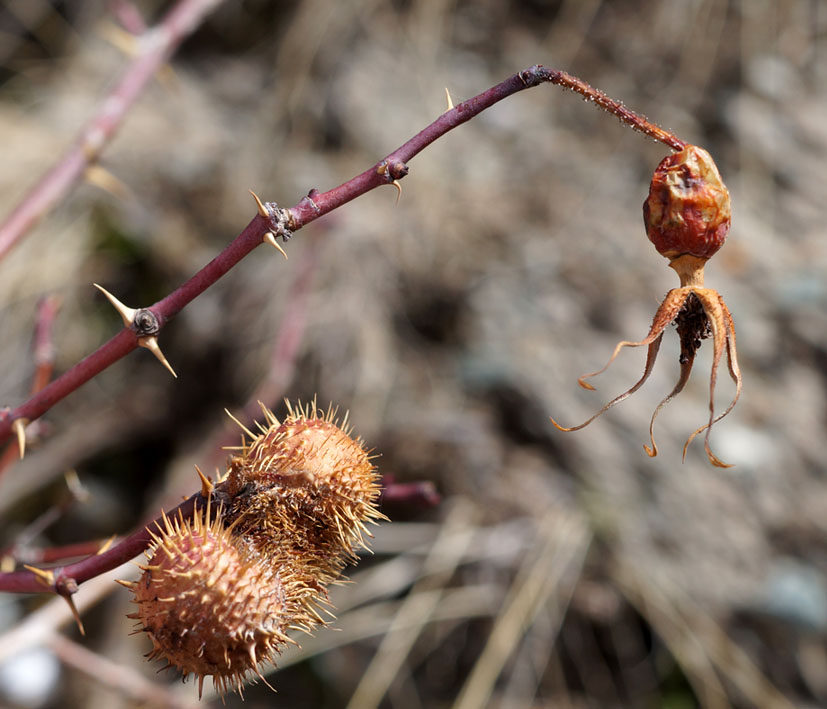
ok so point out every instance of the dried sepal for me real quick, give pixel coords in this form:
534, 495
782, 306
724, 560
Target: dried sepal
698, 313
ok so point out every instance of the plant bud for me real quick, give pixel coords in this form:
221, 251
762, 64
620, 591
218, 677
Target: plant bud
688, 209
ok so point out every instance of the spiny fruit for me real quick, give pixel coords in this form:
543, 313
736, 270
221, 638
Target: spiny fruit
221, 590
304, 480
209, 607
688, 208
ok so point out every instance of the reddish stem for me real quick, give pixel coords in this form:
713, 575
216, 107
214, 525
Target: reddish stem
72, 575
44, 351
127, 15
421, 493
44, 359
315, 205
50, 555
630, 118
155, 47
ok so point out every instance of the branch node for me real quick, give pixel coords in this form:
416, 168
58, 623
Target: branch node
398, 169
146, 323
392, 170
280, 220
309, 200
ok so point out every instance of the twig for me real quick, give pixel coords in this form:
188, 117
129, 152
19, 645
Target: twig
154, 48
127, 15
44, 351
283, 222
66, 579
419, 493
49, 555
44, 360
394, 167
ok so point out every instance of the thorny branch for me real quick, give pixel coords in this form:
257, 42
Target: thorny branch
284, 222
154, 47
272, 220
72, 575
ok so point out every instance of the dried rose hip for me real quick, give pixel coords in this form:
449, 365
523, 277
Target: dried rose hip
687, 216
688, 209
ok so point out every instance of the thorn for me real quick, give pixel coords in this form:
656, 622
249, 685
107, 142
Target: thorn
398, 186
206, 484
241, 425
130, 45
119, 38
128, 314
7, 563
126, 584
75, 614
105, 180
262, 210
45, 576
151, 343
106, 545
19, 427
269, 416
448, 99
269, 238
80, 493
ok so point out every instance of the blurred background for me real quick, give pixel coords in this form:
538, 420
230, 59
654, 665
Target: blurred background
560, 569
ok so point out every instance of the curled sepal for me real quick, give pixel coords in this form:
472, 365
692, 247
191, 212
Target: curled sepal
665, 314
651, 355
698, 313
723, 330
686, 368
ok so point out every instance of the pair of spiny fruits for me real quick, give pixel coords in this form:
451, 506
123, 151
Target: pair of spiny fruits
222, 589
